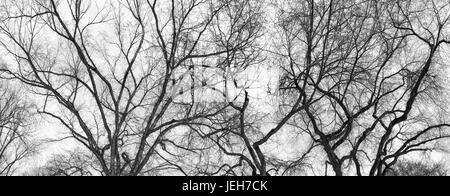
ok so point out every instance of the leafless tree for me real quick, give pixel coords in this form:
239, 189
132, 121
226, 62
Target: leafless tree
16, 142
121, 76
203, 148
367, 73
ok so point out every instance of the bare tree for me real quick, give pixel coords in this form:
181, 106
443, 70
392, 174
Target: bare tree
203, 148
15, 134
367, 70
121, 76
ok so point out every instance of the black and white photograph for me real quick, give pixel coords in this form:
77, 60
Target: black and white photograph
224, 88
